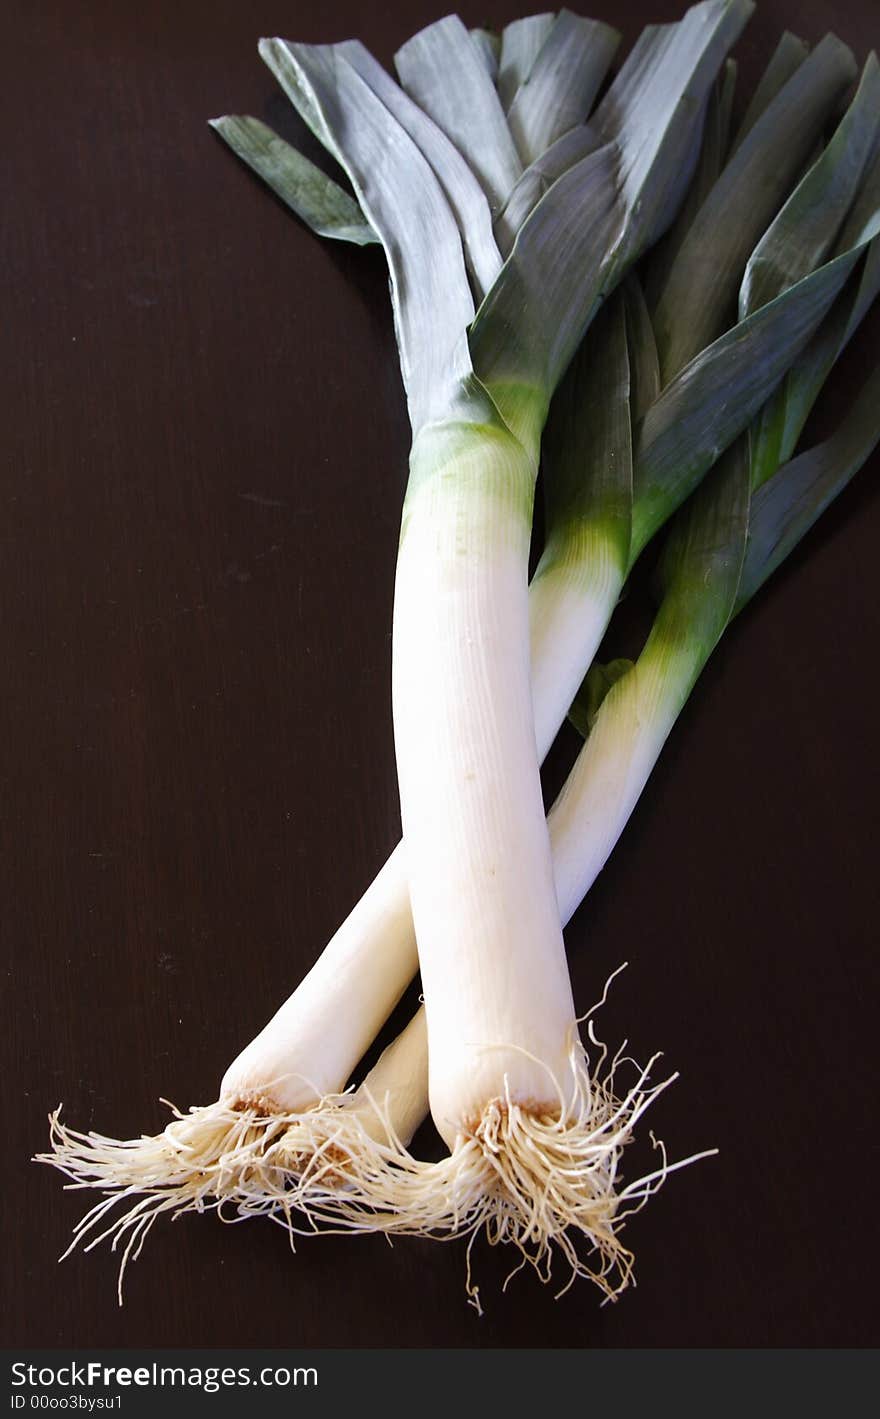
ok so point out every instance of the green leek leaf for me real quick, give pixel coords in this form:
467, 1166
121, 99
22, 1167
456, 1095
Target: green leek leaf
488, 46
405, 205
787, 58
725, 91
699, 295
702, 560
644, 362
720, 392
322, 204
562, 84
787, 505
440, 68
539, 177
463, 192
803, 233
807, 375
654, 110
709, 165
521, 43
598, 680
600, 215
587, 448
535, 315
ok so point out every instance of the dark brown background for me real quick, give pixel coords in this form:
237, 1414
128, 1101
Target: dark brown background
205, 445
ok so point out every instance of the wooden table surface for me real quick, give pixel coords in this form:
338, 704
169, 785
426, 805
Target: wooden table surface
206, 445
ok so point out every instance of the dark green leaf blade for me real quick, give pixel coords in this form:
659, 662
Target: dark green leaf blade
698, 299
788, 505
787, 58
719, 393
598, 217
563, 83
539, 177
587, 448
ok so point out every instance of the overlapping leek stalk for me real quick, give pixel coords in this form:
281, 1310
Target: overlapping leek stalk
500, 384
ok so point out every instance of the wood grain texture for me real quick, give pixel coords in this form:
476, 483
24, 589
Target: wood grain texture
205, 443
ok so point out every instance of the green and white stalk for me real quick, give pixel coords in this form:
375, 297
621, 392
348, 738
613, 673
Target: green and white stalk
304, 1053
735, 533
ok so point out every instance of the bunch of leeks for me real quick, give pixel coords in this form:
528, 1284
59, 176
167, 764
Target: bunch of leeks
751, 511
508, 220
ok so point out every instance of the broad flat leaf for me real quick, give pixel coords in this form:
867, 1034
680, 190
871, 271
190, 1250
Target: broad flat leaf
562, 84
636, 112
711, 160
644, 363
658, 179
860, 226
322, 204
786, 507
867, 292
809, 372
488, 46
534, 317
463, 192
539, 177
724, 545
725, 541
521, 43
716, 396
600, 215
726, 97
404, 203
788, 57
698, 299
803, 233
440, 68
589, 226
587, 453
703, 557
779, 517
